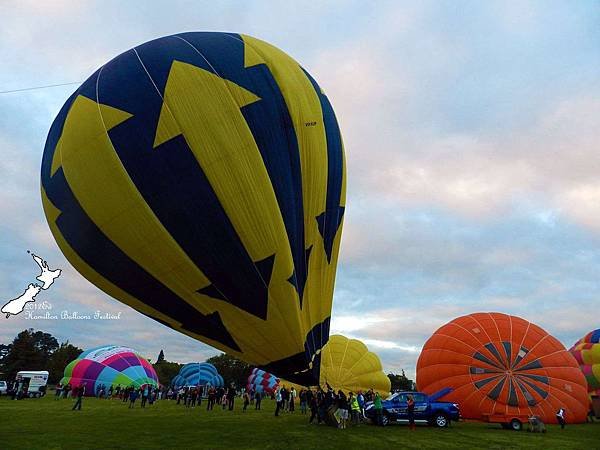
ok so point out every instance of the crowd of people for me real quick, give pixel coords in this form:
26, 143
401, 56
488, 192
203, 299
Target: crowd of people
324, 404
148, 394
328, 406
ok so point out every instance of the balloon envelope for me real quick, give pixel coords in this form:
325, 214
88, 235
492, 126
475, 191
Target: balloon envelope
261, 381
347, 364
198, 374
109, 365
587, 353
494, 363
200, 179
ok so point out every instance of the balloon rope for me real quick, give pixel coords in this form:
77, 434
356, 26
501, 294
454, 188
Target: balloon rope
39, 87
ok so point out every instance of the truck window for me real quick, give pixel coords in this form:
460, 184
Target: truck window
420, 398
401, 398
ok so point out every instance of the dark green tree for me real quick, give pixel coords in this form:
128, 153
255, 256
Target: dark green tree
166, 371
161, 357
30, 350
232, 370
61, 357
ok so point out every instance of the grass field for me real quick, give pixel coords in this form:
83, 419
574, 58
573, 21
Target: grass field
107, 424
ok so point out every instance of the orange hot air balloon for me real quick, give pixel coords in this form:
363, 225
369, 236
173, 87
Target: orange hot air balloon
496, 364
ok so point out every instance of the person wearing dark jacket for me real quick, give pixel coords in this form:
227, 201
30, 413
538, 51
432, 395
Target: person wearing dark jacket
314, 409
342, 411
257, 400
410, 409
80, 394
230, 397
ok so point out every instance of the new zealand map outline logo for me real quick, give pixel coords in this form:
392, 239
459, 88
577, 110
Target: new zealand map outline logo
46, 277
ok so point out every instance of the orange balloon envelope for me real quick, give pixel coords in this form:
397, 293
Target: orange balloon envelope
494, 363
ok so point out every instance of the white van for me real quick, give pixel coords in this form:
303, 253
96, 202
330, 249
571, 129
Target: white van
34, 380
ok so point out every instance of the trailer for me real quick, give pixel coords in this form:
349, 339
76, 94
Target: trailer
507, 421
32, 383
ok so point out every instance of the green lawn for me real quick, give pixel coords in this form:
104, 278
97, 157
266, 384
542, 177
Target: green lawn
103, 424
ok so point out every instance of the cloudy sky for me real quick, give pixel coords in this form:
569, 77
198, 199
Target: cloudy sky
472, 136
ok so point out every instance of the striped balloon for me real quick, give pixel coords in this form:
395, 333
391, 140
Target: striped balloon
493, 363
198, 374
261, 381
200, 179
587, 353
109, 365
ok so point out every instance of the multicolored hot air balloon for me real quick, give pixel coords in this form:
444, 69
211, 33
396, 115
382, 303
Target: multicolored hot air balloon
493, 363
200, 179
109, 365
261, 381
587, 353
347, 364
198, 374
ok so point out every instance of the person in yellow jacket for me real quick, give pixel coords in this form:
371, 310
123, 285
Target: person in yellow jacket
354, 408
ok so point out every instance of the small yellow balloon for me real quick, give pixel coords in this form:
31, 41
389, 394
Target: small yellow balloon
347, 364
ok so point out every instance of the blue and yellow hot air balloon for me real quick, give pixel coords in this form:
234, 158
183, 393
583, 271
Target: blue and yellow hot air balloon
200, 179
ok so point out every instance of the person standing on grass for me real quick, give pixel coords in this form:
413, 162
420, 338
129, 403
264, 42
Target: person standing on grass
133, 395
58, 391
302, 396
377, 405
314, 409
79, 395
152, 396
211, 399
361, 403
284, 398
560, 416
257, 400
354, 408
145, 395
246, 400
293, 395
279, 400
321, 404
590, 416
191, 398
410, 409
342, 411
230, 397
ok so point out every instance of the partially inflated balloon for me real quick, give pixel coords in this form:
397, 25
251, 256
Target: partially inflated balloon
109, 365
347, 364
587, 353
198, 374
200, 179
261, 381
493, 363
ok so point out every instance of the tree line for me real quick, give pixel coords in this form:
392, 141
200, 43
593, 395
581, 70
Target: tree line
37, 350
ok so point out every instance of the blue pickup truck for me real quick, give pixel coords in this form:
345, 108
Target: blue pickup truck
426, 411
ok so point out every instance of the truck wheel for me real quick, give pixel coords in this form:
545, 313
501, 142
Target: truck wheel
385, 420
516, 425
441, 420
